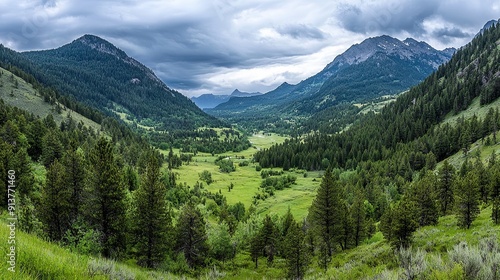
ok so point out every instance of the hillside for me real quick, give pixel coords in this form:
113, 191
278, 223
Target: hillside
16, 92
95, 72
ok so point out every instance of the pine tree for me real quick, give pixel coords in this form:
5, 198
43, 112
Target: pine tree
403, 223
358, 217
445, 187
295, 251
152, 224
269, 236
325, 215
105, 203
74, 177
191, 237
423, 194
55, 202
495, 193
467, 199
51, 148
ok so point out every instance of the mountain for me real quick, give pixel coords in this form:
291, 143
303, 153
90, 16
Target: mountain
488, 25
375, 67
207, 101
93, 71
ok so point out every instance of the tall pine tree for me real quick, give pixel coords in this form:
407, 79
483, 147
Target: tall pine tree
445, 187
151, 224
55, 202
467, 199
326, 217
295, 251
105, 204
191, 237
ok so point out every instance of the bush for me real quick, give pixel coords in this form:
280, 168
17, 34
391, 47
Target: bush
206, 176
413, 263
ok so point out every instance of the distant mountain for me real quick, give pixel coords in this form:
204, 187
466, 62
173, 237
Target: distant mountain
207, 101
375, 67
93, 71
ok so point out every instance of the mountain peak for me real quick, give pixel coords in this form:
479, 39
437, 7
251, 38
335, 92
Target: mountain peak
101, 45
407, 49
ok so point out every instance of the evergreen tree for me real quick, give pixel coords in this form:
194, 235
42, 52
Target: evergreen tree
191, 237
295, 251
55, 202
403, 223
52, 148
105, 203
269, 237
445, 187
385, 225
325, 215
467, 199
495, 193
347, 226
74, 177
423, 194
152, 224
358, 217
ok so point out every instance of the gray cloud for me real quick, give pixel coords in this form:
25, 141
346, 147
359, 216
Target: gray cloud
215, 46
298, 31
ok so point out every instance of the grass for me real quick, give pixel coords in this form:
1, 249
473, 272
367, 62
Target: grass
24, 96
246, 180
474, 109
39, 259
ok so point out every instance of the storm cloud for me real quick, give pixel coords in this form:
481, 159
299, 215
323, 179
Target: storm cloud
199, 46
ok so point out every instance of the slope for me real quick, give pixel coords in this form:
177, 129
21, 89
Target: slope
39, 259
377, 66
16, 92
95, 72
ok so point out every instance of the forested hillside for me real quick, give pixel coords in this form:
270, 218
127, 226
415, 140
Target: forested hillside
94, 78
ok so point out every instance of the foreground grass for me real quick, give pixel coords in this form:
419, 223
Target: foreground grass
38, 259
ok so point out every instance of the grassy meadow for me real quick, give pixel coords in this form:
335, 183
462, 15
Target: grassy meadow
246, 180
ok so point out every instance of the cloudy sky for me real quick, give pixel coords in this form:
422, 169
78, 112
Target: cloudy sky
215, 46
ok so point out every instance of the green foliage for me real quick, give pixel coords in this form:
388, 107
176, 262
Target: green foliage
399, 224
467, 200
226, 165
206, 176
219, 241
295, 251
326, 215
55, 201
105, 206
445, 187
151, 221
191, 237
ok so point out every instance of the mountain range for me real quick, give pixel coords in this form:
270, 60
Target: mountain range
209, 100
94, 72
377, 66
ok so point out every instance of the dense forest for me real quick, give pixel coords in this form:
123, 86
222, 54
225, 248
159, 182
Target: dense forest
109, 193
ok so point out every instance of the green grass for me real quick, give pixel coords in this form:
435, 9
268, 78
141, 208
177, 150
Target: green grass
25, 97
474, 109
246, 180
38, 259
